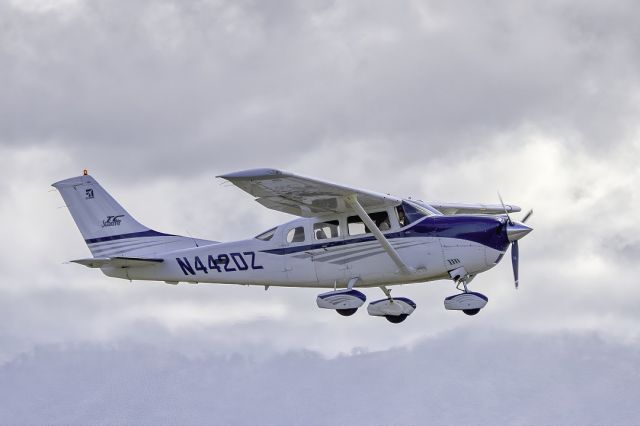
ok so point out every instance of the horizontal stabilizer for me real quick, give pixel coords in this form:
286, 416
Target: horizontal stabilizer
117, 262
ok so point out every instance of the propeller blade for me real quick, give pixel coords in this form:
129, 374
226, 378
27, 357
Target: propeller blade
527, 216
505, 209
515, 252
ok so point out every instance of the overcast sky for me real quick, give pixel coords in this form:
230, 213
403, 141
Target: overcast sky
444, 101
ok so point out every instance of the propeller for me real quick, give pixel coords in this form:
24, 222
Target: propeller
515, 252
515, 231
504, 207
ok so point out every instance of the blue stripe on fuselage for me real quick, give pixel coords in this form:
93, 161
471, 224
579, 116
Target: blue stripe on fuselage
485, 230
149, 233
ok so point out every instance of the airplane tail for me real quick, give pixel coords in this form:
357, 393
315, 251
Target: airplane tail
108, 229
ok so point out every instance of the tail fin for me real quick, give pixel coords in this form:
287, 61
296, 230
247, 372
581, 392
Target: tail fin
107, 228
95, 212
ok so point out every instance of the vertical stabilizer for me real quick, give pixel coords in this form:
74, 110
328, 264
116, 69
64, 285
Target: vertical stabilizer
107, 228
96, 213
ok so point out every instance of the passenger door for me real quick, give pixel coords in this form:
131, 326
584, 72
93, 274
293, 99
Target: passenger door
298, 259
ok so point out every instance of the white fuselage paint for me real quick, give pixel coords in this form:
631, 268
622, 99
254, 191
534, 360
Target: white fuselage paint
322, 264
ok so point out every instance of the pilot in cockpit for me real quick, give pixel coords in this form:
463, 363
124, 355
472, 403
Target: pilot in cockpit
384, 225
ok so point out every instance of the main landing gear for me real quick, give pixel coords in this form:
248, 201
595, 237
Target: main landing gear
468, 302
394, 309
346, 302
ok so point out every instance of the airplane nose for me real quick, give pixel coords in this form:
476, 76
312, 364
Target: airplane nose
517, 230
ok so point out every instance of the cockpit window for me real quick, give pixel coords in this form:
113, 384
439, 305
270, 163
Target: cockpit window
296, 235
357, 227
426, 208
402, 218
409, 212
266, 235
328, 229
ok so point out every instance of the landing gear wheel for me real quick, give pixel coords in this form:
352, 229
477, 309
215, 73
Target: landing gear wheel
396, 319
346, 312
471, 311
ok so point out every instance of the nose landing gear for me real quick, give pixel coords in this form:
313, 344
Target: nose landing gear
468, 302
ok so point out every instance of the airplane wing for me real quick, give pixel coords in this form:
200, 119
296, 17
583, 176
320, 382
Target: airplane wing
460, 208
303, 196
117, 262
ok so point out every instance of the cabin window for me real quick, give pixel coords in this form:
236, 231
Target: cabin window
296, 235
266, 235
381, 219
357, 227
328, 229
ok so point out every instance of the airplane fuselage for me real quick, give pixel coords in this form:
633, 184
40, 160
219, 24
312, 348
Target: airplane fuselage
431, 246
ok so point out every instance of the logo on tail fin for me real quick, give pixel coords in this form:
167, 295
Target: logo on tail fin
112, 221
88, 194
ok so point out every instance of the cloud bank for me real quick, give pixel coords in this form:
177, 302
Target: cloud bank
460, 378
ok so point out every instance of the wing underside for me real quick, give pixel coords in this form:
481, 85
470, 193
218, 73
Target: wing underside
307, 197
302, 196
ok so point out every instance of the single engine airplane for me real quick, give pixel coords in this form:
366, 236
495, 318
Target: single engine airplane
345, 239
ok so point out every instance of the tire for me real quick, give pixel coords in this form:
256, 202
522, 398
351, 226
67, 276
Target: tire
396, 319
346, 312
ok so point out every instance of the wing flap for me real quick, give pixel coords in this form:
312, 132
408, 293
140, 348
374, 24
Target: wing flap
117, 262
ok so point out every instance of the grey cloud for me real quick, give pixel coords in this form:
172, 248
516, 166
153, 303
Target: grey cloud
199, 82
622, 248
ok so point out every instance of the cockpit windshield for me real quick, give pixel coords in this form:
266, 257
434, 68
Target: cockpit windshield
410, 212
425, 206
266, 235
426, 209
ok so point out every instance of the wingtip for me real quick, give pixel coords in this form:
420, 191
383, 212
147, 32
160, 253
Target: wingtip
251, 174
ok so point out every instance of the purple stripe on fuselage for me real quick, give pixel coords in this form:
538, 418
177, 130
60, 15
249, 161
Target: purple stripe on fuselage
149, 233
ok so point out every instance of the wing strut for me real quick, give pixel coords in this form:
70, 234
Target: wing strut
352, 200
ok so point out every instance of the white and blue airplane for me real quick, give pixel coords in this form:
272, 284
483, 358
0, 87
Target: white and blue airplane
345, 239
